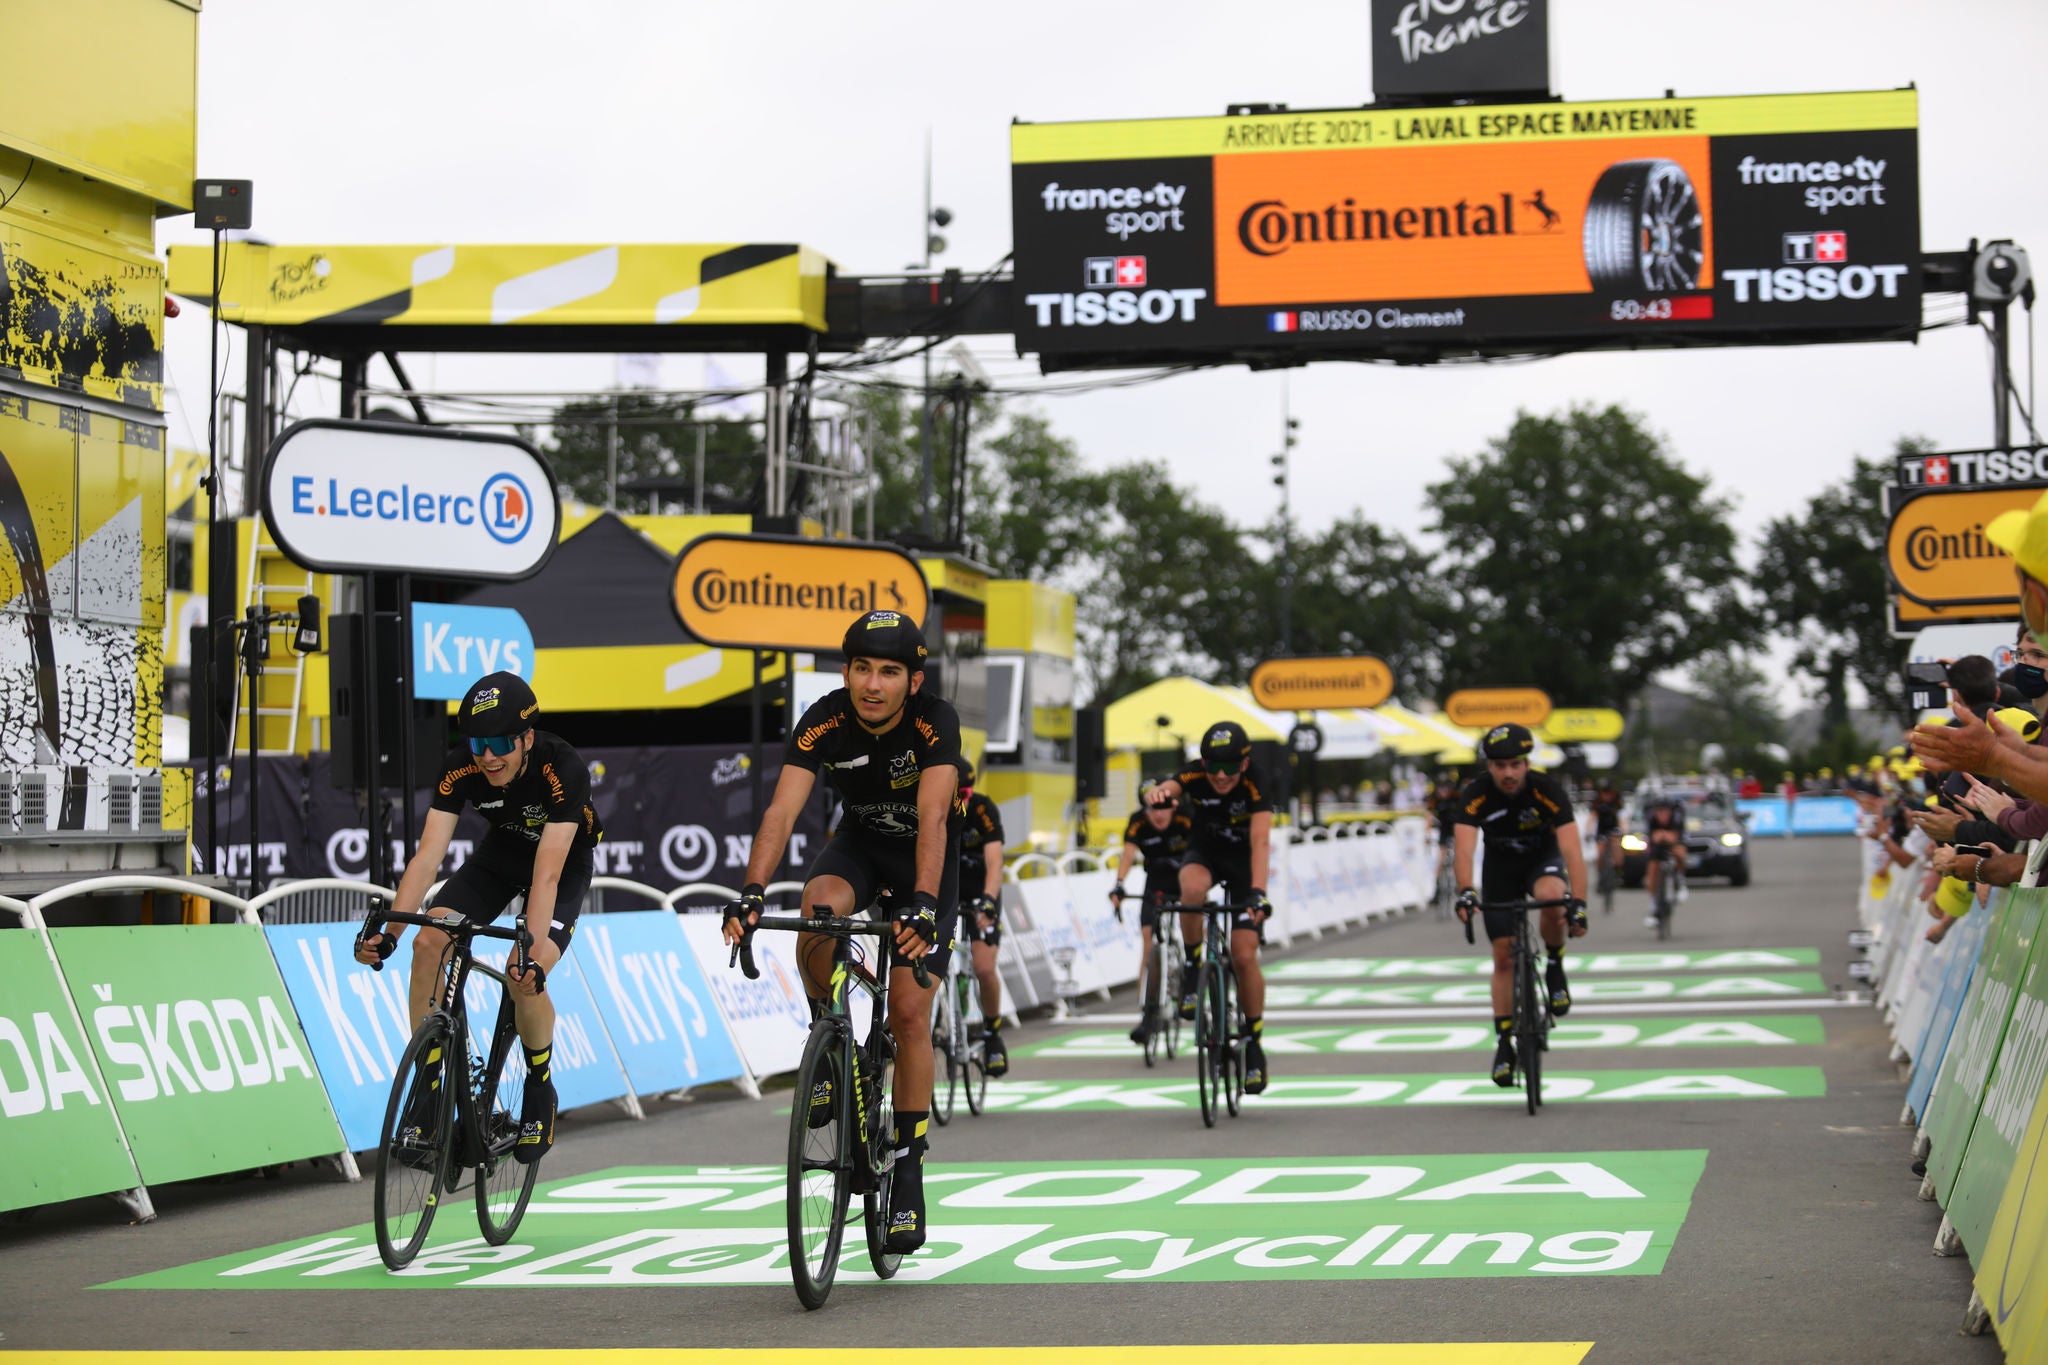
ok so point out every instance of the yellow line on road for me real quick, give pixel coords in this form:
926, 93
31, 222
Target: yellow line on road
1389, 1353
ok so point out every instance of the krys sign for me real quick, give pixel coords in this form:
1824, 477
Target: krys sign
373, 497
785, 592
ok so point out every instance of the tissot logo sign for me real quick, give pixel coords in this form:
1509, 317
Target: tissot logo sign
372, 497
1975, 468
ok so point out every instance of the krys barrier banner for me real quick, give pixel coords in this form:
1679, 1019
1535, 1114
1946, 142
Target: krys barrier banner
1627, 222
194, 1033
2009, 1094
1974, 1041
655, 1002
55, 1122
769, 1016
1221, 1221
357, 1023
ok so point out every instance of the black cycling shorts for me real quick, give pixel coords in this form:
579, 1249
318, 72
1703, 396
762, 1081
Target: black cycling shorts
883, 875
1159, 890
501, 870
1605, 822
1231, 869
1514, 879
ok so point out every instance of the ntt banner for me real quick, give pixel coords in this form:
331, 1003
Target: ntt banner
1364, 231
789, 593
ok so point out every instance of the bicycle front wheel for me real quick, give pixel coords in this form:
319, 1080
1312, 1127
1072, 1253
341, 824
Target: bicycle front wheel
1529, 1028
1232, 1035
1208, 1044
412, 1159
946, 1059
820, 1172
504, 1185
974, 1066
875, 1213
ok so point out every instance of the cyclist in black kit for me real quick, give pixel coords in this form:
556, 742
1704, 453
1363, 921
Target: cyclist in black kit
1158, 833
534, 792
892, 753
981, 883
1532, 846
1233, 827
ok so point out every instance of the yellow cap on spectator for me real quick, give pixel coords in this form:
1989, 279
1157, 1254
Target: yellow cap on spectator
1953, 898
2021, 719
2024, 536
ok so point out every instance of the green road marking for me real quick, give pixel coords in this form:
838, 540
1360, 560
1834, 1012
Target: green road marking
1583, 963
1323, 1218
1787, 985
1784, 1031
1472, 1087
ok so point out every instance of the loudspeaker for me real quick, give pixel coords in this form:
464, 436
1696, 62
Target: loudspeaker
1090, 754
348, 699
213, 694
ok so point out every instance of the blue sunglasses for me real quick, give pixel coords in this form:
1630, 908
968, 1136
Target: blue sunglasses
493, 744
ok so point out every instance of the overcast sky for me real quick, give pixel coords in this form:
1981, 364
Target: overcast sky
464, 121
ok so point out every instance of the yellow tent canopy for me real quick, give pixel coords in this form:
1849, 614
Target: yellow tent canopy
1188, 706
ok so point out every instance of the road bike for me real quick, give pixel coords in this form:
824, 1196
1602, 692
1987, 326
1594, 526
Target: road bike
1531, 1010
842, 1120
1162, 967
1446, 886
1604, 876
963, 1058
1220, 1034
452, 1110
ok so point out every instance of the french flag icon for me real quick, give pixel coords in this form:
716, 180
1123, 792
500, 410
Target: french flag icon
1281, 322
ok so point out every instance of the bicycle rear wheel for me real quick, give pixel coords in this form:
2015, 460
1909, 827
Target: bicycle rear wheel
1528, 1028
503, 1184
820, 1171
1664, 904
974, 1060
946, 1059
1232, 1037
410, 1172
1606, 884
874, 1207
1208, 1047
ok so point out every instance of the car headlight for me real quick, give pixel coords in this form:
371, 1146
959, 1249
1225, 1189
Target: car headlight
1731, 840
1633, 843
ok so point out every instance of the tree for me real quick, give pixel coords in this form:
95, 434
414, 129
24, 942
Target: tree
1040, 513
1583, 560
1733, 707
657, 441
1820, 578
1361, 589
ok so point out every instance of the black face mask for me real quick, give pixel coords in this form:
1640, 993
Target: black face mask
2031, 680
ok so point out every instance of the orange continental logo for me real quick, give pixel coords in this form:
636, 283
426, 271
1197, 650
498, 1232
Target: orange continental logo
1431, 221
785, 592
547, 770
448, 780
1938, 554
1485, 707
1317, 684
808, 740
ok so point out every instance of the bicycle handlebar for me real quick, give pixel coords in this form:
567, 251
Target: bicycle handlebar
455, 926
835, 926
1523, 905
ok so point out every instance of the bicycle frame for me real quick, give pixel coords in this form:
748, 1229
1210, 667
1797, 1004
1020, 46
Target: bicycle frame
1219, 1033
1531, 1002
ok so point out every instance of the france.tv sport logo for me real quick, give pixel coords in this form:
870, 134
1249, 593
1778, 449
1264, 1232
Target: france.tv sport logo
504, 508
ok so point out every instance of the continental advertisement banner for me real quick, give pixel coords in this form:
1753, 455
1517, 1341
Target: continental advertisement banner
1619, 223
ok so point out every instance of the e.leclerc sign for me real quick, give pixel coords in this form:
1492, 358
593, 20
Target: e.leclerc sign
786, 592
378, 497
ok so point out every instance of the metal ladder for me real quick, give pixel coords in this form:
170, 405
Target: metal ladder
260, 590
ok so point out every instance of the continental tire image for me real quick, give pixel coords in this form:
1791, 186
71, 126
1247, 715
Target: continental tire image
1644, 230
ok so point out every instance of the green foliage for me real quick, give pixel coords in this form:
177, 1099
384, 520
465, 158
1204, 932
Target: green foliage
1821, 579
657, 440
1583, 560
1733, 706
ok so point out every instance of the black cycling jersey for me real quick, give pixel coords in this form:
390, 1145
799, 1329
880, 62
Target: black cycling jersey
1607, 810
1665, 815
1223, 820
982, 824
876, 776
552, 789
1160, 850
1523, 826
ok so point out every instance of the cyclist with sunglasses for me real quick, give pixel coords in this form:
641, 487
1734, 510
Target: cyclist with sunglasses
981, 885
1158, 833
533, 790
1233, 829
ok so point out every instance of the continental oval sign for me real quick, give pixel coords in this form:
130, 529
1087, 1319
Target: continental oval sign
1322, 684
1484, 707
786, 592
1937, 552
1582, 725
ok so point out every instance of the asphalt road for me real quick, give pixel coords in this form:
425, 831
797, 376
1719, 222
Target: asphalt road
1762, 1211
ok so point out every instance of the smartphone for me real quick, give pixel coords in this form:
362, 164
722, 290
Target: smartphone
1977, 850
1926, 687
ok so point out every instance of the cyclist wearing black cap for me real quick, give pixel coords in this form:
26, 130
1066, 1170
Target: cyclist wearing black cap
1158, 833
534, 792
981, 881
1233, 827
892, 753
1532, 846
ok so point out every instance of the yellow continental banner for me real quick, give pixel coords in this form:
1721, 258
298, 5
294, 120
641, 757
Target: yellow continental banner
1354, 129
2012, 1268
738, 284
1324, 683
1480, 708
1581, 726
782, 592
1937, 552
